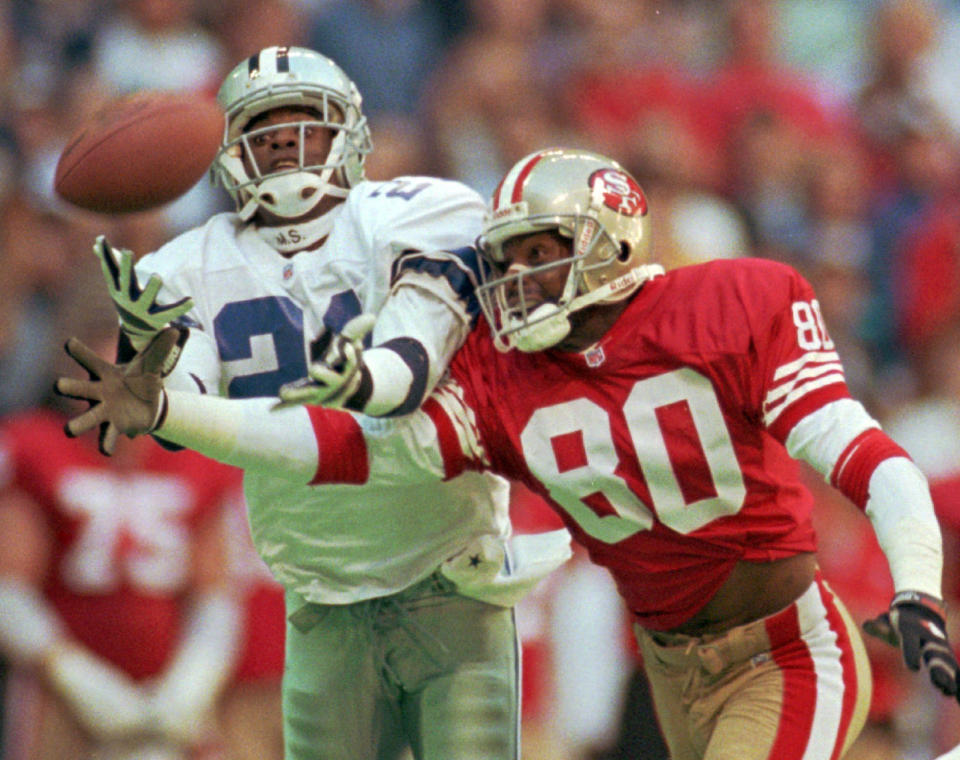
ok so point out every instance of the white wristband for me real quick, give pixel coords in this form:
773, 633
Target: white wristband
391, 379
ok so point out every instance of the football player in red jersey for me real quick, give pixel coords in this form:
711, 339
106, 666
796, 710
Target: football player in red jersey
660, 414
116, 615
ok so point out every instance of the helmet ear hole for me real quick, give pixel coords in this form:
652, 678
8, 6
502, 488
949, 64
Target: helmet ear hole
624, 251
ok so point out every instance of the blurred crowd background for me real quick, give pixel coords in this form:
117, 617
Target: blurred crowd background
823, 133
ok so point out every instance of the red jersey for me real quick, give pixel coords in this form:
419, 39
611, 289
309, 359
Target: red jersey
121, 538
663, 446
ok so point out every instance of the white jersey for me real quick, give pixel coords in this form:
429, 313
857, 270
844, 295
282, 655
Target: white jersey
255, 312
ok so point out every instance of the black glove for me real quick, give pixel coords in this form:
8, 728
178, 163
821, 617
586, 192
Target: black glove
916, 624
125, 398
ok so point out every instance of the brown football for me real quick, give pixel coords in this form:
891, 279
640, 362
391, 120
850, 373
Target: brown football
140, 151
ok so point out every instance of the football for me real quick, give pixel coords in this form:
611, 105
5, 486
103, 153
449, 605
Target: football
140, 151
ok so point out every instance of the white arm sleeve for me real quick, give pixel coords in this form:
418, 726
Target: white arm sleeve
28, 625
903, 518
392, 379
243, 433
898, 503
416, 334
204, 659
247, 433
105, 700
821, 437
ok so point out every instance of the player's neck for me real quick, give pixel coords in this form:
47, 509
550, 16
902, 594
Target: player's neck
589, 325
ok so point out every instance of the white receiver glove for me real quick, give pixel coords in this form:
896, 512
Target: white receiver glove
141, 317
107, 702
336, 368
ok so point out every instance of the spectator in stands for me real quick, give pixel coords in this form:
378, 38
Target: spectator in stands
491, 101
388, 47
158, 44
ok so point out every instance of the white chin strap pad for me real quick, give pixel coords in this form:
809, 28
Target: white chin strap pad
293, 195
546, 326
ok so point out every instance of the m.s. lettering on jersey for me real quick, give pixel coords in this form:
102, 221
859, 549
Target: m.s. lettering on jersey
681, 460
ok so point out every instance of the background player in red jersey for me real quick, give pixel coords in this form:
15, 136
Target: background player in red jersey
121, 618
250, 711
115, 605
660, 415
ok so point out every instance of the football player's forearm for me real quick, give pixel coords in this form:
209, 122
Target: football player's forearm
104, 699
306, 444
416, 333
391, 382
186, 693
902, 514
29, 627
244, 433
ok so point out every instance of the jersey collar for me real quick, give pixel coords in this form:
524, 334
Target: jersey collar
290, 238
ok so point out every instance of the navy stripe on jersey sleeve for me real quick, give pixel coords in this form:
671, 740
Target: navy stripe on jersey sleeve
460, 268
414, 355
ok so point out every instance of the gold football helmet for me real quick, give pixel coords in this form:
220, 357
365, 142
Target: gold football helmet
591, 200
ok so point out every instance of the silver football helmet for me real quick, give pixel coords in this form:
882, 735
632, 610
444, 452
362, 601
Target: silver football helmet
290, 76
591, 200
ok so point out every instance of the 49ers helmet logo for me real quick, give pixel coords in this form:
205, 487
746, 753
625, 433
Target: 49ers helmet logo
619, 192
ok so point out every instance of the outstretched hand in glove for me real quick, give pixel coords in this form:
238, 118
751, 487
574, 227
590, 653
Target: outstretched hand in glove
125, 398
141, 317
336, 370
916, 624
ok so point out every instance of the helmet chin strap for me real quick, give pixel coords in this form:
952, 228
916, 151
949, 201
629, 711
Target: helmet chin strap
544, 327
293, 195
549, 323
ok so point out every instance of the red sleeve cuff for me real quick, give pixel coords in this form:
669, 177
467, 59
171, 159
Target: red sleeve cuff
343, 456
851, 474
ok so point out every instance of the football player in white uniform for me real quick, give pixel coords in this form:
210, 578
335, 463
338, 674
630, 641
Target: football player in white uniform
382, 651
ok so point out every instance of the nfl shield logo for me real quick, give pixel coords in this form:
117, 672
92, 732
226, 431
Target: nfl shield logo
595, 356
